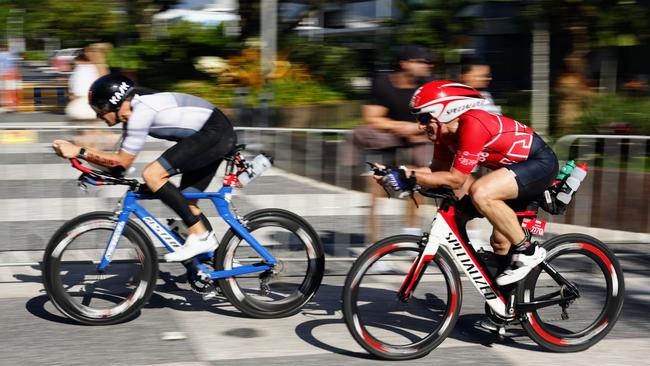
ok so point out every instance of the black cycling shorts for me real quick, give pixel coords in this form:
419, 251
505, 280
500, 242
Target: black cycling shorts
198, 156
536, 173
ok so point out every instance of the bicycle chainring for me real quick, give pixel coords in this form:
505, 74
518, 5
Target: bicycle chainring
498, 319
200, 285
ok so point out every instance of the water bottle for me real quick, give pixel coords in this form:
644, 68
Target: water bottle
572, 183
255, 168
566, 170
178, 228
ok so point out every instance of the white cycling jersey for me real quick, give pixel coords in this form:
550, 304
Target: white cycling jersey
169, 116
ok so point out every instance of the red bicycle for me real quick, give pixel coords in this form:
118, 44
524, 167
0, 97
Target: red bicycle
403, 295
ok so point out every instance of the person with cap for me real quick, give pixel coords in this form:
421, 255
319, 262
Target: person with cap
203, 136
387, 112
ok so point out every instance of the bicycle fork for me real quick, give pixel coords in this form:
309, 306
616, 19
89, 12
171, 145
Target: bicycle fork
417, 269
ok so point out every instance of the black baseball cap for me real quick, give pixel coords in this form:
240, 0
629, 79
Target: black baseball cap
414, 52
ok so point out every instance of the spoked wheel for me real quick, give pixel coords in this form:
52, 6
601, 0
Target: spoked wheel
82, 292
387, 326
595, 276
284, 289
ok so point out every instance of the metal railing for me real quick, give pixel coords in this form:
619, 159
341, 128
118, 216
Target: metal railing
616, 191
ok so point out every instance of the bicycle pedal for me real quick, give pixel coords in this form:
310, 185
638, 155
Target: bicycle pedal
211, 295
501, 331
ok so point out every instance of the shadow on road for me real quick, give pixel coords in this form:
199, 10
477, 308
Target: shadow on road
467, 328
166, 295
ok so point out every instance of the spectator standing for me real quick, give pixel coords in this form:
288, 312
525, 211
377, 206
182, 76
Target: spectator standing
573, 90
88, 68
478, 74
389, 119
9, 80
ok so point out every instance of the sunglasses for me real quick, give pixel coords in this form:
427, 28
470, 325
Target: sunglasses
424, 118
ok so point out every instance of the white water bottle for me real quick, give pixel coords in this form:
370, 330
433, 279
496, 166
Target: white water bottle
255, 168
572, 183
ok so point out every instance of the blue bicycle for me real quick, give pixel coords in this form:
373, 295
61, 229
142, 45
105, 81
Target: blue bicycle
100, 268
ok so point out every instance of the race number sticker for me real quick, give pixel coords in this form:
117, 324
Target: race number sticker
536, 226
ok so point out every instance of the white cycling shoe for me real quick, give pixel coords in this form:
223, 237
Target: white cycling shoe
194, 245
520, 265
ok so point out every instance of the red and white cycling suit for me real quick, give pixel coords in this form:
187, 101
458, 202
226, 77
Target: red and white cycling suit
485, 139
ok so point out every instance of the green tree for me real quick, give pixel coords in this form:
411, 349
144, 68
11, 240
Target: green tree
74, 22
432, 23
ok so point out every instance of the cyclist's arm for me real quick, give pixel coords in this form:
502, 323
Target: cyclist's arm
453, 178
68, 150
109, 160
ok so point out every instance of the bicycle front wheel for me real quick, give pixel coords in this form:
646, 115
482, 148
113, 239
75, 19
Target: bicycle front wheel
75, 285
387, 326
291, 283
578, 323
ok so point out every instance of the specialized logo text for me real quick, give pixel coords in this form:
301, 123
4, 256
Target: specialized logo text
470, 267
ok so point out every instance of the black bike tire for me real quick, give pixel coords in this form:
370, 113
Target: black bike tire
350, 293
600, 253
310, 284
57, 294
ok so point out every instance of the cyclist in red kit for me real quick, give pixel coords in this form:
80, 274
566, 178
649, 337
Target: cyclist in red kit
522, 166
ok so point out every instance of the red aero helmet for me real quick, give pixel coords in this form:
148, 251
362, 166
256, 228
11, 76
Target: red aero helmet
445, 100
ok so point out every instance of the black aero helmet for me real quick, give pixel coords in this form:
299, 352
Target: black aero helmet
108, 92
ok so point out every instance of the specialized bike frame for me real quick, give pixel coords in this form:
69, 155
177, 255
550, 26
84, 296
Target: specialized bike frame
446, 232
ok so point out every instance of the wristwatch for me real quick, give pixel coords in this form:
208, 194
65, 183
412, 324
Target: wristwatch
82, 153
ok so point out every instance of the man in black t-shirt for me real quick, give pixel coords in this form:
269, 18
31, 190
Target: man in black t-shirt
387, 109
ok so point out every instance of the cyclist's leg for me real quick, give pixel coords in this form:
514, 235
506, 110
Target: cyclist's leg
528, 179
199, 151
499, 242
203, 150
157, 179
198, 181
488, 194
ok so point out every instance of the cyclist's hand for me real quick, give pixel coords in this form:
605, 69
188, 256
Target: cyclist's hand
397, 180
65, 149
377, 171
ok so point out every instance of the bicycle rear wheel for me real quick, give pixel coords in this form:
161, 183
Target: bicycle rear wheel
291, 283
79, 290
391, 328
574, 325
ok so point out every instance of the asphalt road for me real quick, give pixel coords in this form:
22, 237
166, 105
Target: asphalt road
177, 327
